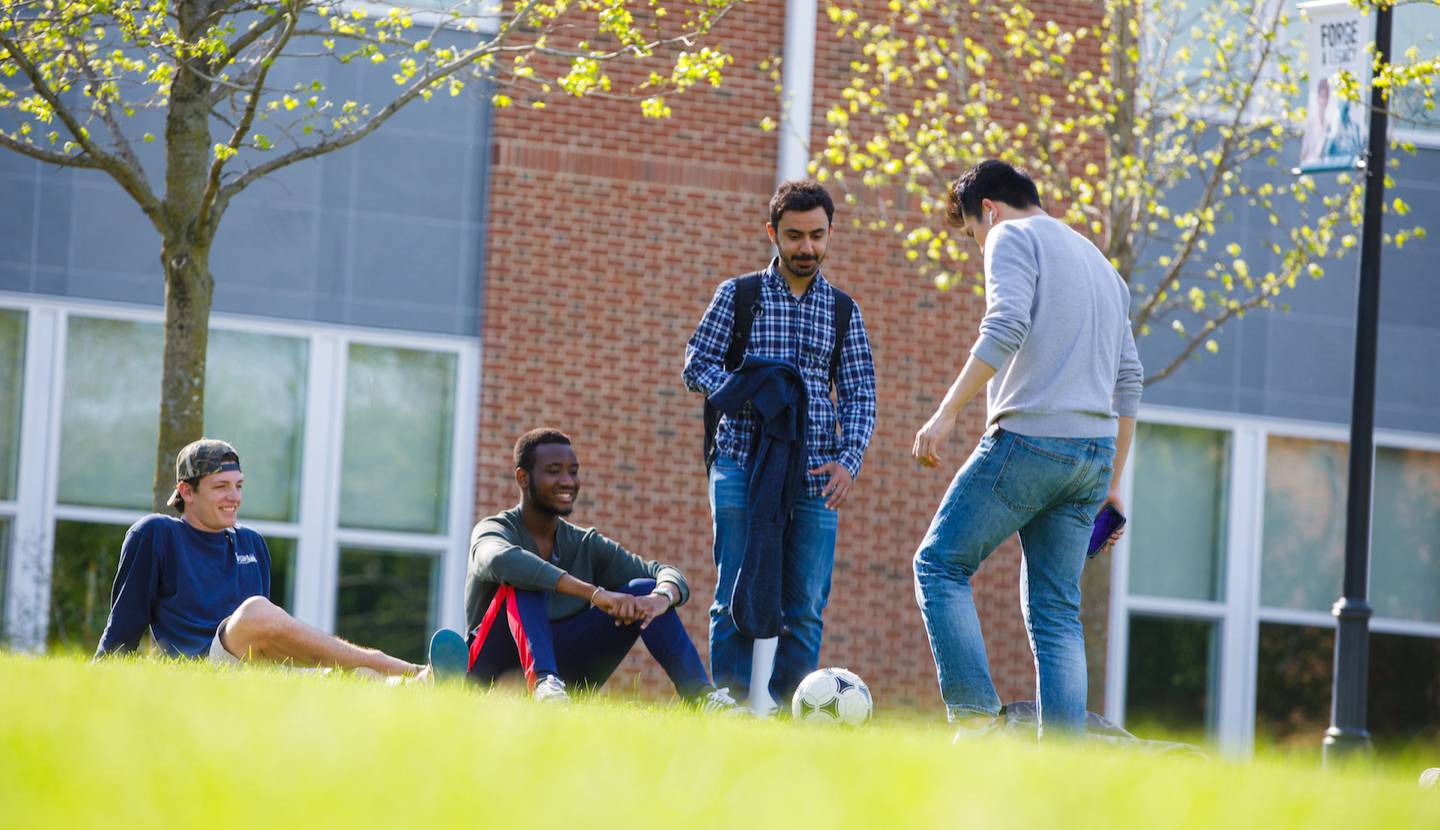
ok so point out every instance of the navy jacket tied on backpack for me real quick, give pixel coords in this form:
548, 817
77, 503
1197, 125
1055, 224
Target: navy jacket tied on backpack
776, 391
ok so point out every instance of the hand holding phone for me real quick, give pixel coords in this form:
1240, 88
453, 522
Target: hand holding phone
1109, 521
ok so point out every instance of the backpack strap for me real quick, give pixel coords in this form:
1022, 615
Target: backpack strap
844, 309
746, 307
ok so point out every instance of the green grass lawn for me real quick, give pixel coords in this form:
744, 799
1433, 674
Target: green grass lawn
138, 743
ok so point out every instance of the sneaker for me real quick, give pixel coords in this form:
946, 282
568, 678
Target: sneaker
551, 689
718, 702
449, 659
973, 727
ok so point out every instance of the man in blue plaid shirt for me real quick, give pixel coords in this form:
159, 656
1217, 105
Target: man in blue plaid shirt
795, 322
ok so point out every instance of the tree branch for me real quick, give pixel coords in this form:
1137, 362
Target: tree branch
122, 144
245, 41
131, 180
217, 166
1222, 164
59, 159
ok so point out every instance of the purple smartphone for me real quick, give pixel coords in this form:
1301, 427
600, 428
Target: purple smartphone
1106, 523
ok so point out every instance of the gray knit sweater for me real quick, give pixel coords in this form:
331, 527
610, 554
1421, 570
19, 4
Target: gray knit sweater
1057, 331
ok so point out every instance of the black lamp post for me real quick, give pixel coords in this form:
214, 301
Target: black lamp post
1347, 733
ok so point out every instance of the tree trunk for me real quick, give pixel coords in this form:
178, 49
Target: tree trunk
188, 232
188, 289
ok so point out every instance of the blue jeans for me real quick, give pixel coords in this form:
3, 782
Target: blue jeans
1049, 490
804, 584
583, 650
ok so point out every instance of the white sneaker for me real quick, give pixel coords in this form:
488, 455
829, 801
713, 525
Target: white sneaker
551, 689
719, 702
973, 727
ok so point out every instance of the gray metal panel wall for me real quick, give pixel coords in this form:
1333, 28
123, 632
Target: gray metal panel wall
389, 232
1297, 363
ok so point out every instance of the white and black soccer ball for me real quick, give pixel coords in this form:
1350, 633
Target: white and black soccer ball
832, 696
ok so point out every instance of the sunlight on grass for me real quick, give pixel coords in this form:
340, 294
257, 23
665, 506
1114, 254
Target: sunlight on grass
140, 742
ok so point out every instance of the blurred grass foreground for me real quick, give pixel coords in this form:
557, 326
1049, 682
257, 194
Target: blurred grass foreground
145, 743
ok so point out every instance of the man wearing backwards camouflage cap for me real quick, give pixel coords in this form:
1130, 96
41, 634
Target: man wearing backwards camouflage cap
201, 583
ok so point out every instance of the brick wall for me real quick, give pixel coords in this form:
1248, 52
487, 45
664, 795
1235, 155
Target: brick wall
608, 235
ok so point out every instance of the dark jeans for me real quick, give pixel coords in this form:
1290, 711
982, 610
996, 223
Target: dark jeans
583, 650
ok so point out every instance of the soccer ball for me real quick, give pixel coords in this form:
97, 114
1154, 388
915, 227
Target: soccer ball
832, 696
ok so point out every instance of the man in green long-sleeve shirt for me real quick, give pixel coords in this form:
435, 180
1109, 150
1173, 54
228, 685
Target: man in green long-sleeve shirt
573, 601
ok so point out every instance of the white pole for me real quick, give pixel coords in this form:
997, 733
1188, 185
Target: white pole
798, 77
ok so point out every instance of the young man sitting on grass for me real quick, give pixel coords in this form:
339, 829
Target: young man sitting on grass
201, 584
565, 604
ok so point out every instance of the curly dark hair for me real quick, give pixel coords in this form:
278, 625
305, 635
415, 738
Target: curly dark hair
525, 447
800, 195
990, 179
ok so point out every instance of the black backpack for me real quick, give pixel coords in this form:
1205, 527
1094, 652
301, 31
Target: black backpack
747, 306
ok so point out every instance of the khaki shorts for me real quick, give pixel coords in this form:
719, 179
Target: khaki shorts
218, 652
221, 655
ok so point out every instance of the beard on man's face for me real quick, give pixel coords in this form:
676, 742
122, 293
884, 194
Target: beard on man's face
544, 506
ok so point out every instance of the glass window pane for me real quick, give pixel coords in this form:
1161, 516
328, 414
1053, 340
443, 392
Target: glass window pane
1170, 678
110, 418
282, 571
387, 600
87, 557
255, 399
1416, 26
1177, 540
1302, 559
12, 382
399, 406
1405, 535
4, 571
1293, 686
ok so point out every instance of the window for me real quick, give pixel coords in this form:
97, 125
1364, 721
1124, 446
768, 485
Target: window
87, 556
1405, 535
255, 397
399, 404
1303, 563
387, 599
111, 412
1179, 506
1415, 26
12, 378
1170, 679
1303, 557
1294, 683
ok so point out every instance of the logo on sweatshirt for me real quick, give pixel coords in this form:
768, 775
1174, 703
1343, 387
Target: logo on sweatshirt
245, 559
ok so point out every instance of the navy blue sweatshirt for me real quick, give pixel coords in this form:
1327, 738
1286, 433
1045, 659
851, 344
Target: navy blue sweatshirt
776, 390
181, 583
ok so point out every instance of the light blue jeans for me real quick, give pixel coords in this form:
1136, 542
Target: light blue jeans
804, 584
1049, 490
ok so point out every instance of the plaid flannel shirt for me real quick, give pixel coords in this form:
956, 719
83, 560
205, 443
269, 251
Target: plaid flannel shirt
802, 331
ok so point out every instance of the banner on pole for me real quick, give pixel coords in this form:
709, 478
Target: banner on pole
1335, 128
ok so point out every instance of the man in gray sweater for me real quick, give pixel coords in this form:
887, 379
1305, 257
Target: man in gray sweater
1064, 381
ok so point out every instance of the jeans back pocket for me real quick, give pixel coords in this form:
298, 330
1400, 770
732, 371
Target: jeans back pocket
1032, 476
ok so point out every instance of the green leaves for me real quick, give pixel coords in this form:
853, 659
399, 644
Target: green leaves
1136, 132
103, 59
